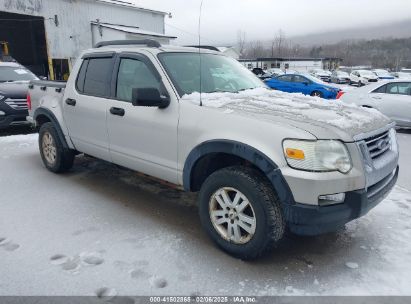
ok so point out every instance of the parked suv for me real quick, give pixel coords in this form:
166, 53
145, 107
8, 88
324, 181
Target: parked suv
14, 81
261, 160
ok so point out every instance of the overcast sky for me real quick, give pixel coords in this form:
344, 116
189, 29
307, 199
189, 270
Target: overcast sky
261, 19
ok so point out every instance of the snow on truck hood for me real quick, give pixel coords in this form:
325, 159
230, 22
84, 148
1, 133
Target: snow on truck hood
322, 118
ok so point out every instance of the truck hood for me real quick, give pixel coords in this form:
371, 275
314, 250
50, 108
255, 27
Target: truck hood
14, 89
322, 118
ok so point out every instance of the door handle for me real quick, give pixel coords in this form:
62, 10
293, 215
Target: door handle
117, 111
71, 102
377, 97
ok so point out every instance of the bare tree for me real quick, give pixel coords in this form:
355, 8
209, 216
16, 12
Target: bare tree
277, 44
256, 49
241, 42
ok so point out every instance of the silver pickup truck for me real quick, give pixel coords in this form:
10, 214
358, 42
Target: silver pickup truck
262, 161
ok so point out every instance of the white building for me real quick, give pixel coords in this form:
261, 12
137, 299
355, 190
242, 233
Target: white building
47, 35
297, 64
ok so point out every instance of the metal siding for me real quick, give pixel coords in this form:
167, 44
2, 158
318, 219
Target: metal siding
74, 31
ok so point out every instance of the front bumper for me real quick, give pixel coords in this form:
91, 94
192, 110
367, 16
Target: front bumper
313, 220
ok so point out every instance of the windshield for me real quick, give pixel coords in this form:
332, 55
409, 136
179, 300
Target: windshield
381, 73
218, 73
12, 74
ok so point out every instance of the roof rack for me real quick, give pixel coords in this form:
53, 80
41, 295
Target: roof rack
207, 47
147, 42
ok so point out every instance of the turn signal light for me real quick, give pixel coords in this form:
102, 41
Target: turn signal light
295, 153
29, 101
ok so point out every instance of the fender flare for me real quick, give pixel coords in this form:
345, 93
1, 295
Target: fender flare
244, 151
54, 121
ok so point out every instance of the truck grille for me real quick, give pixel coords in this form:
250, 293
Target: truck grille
17, 104
379, 144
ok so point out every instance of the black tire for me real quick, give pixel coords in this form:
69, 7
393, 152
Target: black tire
270, 223
64, 158
317, 94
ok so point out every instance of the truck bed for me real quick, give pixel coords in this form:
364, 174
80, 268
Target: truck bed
42, 90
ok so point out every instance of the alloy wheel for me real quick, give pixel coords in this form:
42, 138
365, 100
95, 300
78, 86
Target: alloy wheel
49, 148
232, 215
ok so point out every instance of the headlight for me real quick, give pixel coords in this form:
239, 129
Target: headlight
394, 140
1, 97
317, 156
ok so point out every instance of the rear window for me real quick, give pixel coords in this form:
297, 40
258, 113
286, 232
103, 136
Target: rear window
94, 77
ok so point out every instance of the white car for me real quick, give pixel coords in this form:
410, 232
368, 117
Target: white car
383, 74
274, 72
321, 74
402, 75
340, 77
392, 98
362, 77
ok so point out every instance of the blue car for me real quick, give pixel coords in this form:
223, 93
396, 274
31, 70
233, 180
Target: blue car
304, 83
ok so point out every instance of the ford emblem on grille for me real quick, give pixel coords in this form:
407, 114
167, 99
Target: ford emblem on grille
383, 143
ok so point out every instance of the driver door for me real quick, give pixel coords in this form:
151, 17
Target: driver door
142, 138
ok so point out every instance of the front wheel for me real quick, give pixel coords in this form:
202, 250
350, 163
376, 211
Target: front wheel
240, 212
55, 157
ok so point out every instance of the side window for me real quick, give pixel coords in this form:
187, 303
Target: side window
98, 76
381, 89
300, 79
392, 88
134, 74
287, 78
404, 88
81, 76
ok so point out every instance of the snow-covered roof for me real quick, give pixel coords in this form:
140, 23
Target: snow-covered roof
131, 30
131, 5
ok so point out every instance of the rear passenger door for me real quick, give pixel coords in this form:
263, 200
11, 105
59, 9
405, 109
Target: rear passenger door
396, 102
85, 105
142, 138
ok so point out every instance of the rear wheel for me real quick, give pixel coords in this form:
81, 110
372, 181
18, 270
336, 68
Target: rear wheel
55, 157
317, 94
240, 212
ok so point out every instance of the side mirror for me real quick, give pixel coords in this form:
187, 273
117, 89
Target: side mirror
307, 83
149, 97
43, 78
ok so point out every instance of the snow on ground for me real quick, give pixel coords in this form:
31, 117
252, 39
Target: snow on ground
348, 117
100, 230
343, 87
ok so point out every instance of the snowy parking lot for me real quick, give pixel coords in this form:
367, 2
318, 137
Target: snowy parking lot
102, 230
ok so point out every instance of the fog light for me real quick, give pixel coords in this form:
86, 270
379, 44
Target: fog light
331, 199
2, 113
